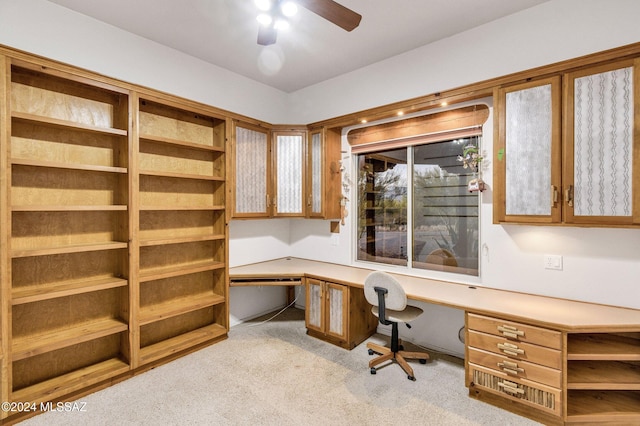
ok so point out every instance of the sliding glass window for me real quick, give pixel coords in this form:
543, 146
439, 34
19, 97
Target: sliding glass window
414, 208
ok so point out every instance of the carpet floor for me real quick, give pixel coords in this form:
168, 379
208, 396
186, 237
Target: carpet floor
272, 373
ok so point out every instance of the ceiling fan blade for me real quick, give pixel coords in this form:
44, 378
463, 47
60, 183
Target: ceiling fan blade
333, 12
267, 35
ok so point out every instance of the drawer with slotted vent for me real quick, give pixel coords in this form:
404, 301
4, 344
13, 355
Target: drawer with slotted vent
530, 393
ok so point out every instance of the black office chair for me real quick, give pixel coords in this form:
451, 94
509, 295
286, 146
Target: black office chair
389, 302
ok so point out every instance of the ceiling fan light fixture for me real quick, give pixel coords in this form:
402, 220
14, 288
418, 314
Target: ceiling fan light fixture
265, 19
264, 5
281, 24
288, 8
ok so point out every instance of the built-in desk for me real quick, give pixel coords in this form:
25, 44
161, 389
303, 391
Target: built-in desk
555, 360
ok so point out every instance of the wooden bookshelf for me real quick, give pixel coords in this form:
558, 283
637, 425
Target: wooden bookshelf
182, 248
114, 229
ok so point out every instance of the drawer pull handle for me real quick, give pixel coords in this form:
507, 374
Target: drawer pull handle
510, 387
510, 331
510, 368
510, 349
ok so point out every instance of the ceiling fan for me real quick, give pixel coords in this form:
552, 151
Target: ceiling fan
275, 13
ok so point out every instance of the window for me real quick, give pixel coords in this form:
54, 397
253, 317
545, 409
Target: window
415, 209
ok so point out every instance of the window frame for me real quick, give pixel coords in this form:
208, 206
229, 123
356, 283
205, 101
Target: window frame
475, 122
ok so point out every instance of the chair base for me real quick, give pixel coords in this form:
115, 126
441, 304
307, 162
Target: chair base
400, 357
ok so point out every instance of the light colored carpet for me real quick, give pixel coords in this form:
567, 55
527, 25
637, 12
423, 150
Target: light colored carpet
274, 374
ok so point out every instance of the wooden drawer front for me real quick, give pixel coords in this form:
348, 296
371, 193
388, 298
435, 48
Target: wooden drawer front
515, 331
516, 350
513, 368
530, 393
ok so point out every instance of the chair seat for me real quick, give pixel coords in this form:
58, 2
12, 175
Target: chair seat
408, 314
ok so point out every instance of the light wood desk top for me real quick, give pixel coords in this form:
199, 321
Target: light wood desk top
560, 314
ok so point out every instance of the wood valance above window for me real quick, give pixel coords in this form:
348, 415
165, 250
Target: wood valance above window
453, 124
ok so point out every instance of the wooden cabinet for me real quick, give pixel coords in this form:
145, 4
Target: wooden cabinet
578, 171
282, 173
517, 361
338, 313
289, 173
603, 377
593, 377
66, 209
113, 251
602, 145
182, 232
527, 153
324, 186
250, 158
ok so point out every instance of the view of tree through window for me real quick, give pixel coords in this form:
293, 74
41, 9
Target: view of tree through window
414, 208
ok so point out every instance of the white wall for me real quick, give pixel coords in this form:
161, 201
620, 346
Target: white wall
55, 32
548, 33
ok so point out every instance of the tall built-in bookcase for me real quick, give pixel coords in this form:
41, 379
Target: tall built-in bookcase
182, 232
113, 253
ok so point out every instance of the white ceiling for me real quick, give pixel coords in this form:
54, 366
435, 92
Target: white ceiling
224, 32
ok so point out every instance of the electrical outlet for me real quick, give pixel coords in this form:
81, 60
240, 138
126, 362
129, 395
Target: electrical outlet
553, 261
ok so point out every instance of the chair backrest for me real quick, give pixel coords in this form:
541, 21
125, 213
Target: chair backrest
395, 299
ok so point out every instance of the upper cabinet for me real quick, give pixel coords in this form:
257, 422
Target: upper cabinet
567, 155
601, 151
324, 185
289, 150
250, 154
285, 173
528, 152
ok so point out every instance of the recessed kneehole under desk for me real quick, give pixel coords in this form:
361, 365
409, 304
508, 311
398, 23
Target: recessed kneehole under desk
554, 360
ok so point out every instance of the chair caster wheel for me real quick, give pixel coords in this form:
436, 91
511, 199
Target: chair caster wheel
423, 361
371, 352
413, 379
373, 371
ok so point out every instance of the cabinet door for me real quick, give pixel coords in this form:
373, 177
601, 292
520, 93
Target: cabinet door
527, 154
324, 184
251, 153
289, 164
316, 172
602, 154
337, 297
315, 305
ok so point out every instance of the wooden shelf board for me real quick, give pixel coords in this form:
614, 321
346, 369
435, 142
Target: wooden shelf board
604, 347
603, 406
181, 208
64, 288
179, 343
55, 122
600, 375
70, 166
63, 208
181, 175
178, 240
170, 141
68, 383
174, 271
177, 307
74, 248
28, 346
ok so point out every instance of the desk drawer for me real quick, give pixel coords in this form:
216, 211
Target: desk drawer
515, 331
530, 393
515, 349
516, 368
